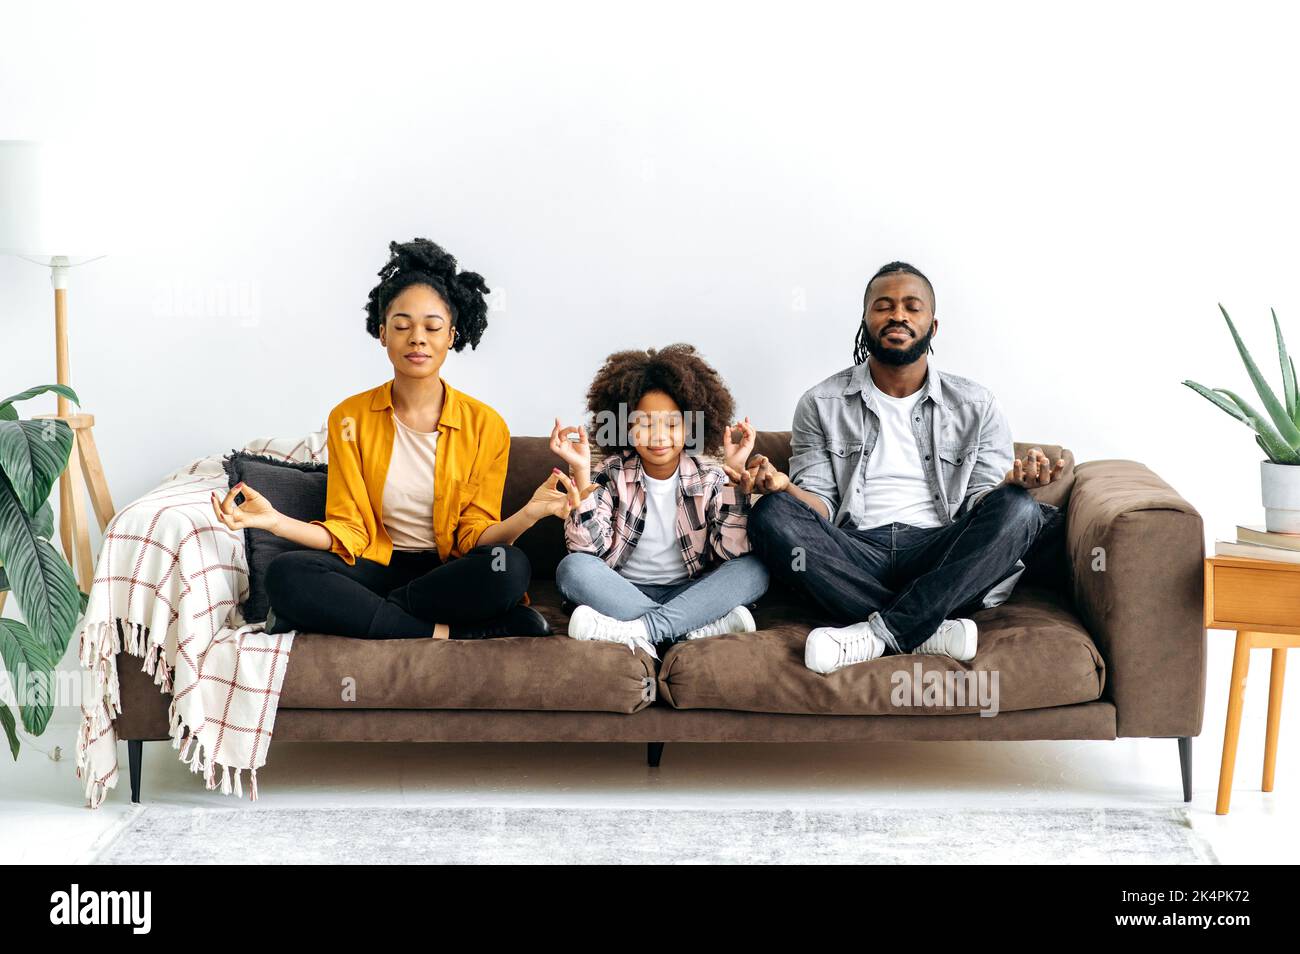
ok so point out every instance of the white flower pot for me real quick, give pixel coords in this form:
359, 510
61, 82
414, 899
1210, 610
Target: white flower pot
1280, 484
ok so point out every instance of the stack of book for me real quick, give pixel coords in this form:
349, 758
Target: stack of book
1256, 543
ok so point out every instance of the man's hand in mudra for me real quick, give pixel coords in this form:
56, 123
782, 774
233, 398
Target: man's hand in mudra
1034, 470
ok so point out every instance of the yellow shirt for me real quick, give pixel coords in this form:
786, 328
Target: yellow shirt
469, 475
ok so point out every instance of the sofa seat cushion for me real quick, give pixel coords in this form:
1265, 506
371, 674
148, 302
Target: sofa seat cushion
522, 672
1033, 653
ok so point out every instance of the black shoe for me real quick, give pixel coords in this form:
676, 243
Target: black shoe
276, 624
519, 620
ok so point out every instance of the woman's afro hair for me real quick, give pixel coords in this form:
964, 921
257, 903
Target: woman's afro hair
421, 262
678, 371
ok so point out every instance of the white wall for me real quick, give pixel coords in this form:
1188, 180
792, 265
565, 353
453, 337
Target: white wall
1082, 184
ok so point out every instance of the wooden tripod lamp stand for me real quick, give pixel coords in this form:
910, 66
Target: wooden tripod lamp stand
34, 220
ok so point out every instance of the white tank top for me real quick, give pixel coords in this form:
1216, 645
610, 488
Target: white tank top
408, 488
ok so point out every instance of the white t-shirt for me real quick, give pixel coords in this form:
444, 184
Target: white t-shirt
408, 489
894, 488
657, 556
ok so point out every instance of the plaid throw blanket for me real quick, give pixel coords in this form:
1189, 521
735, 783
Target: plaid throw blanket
167, 588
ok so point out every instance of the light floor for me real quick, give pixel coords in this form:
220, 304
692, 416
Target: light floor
43, 817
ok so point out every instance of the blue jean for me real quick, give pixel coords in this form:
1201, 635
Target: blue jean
670, 610
904, 580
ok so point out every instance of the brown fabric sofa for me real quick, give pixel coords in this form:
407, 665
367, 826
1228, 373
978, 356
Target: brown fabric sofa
1112, 645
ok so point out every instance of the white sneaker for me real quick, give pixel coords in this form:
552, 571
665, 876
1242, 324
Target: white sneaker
587, 624
739, 620
957, 638
829, 648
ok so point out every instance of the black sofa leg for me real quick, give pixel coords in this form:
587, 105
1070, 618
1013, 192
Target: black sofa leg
1185, 759
654, 751
135, 753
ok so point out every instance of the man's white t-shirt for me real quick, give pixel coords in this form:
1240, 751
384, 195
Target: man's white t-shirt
894, 488
657, 556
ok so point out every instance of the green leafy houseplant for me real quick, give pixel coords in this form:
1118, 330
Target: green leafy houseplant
32, 456
1278, 434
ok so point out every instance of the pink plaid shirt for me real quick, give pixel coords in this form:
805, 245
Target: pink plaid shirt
711, 514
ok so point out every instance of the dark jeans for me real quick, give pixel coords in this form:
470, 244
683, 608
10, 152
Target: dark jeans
316, 591
910, 578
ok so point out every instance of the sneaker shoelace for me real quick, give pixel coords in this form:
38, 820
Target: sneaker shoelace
856, 649
716, 628
941, 637
622, 633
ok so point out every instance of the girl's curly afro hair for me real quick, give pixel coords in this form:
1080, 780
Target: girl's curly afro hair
678, 371
421, 262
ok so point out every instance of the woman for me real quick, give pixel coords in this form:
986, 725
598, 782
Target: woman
659, 550
412, 544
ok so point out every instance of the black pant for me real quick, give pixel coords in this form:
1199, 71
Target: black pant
914, 577
316, 591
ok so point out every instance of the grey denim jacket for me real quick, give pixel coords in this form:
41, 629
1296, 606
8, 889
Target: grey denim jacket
962, 435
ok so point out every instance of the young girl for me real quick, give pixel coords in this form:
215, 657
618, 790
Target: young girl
658, 551
412, 544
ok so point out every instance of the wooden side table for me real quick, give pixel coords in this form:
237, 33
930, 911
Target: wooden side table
1260, 599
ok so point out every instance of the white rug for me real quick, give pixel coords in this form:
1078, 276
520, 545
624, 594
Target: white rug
161, 835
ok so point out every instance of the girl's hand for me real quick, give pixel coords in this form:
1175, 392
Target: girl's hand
556, 497
256, 511
735, 456
577, 454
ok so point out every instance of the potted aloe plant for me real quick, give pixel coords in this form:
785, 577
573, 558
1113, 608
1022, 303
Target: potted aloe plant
32, 456
1278, 433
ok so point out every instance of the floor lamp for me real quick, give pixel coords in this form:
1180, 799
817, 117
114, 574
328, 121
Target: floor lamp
34, 219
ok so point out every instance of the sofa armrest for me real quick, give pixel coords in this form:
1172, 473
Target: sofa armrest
1136, 552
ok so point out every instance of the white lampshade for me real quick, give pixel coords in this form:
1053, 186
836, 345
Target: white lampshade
47, 204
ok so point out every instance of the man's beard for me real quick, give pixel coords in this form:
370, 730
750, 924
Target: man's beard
897, 356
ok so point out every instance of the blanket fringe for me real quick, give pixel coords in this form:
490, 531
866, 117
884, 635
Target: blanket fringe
97, 651
100, 643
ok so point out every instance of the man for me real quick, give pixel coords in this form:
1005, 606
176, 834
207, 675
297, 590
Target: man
904, 501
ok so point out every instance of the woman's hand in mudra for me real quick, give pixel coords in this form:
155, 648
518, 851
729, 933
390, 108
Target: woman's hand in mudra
556, 497
256, 511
